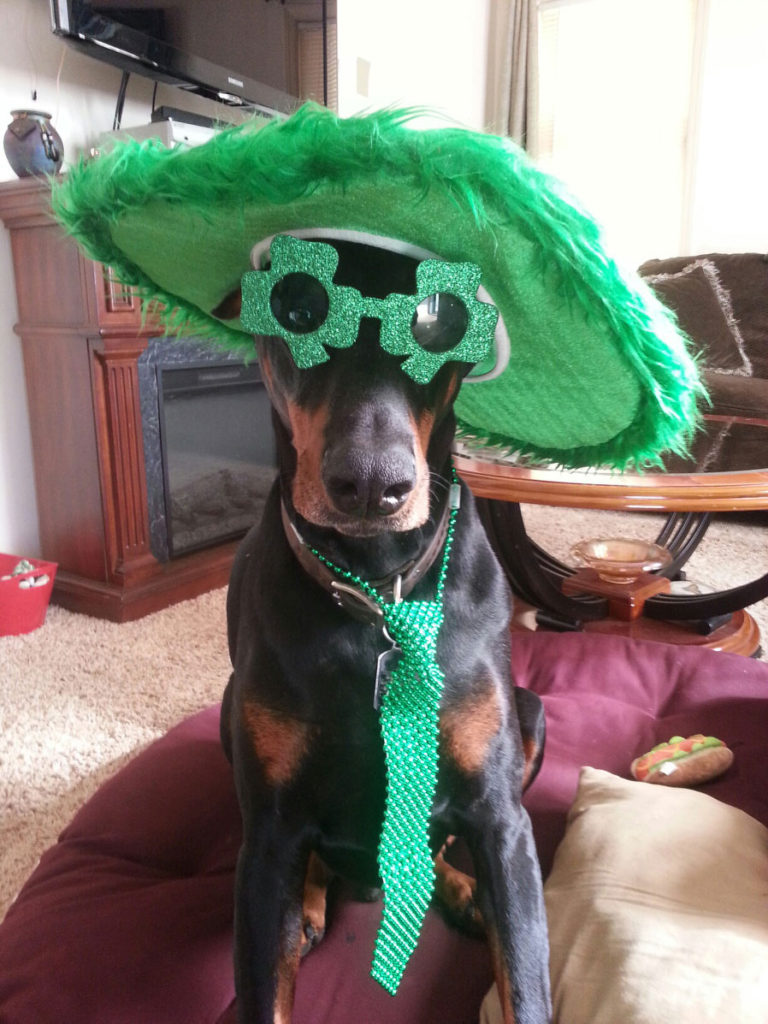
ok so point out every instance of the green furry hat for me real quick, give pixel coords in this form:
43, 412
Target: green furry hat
595, 371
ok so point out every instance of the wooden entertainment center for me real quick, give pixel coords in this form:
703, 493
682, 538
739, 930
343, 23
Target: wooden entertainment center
82, 336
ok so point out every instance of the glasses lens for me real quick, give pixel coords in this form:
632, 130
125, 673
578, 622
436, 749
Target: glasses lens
440, 322
299, 303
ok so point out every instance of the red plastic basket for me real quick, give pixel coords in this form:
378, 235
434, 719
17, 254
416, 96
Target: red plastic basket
23, 609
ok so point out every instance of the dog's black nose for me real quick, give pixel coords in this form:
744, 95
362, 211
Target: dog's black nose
364, 483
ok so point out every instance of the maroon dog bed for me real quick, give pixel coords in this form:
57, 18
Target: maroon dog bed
128, 918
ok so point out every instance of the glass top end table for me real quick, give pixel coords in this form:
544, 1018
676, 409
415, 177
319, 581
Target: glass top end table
726, 471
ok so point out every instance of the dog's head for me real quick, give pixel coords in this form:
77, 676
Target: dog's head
361, 428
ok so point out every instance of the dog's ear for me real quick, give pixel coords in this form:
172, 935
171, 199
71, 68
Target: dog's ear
229, 307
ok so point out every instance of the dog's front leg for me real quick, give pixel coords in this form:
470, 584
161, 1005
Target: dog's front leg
271, 870
509, 894
486, 762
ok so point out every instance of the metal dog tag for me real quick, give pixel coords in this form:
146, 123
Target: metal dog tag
385, 665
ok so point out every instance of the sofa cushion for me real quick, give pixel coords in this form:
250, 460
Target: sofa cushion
608, 700
704, 311
745, 277
739, 396
128, 918
656, 908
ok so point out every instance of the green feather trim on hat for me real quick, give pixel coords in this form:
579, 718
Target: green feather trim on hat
598, 372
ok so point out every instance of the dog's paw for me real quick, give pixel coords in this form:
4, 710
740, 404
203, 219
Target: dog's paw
312, 934
455, 897
364, 893
314, 905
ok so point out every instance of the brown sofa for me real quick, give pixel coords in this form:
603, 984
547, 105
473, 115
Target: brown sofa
721, 301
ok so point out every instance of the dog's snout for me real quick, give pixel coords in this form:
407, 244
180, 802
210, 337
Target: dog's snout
368, 483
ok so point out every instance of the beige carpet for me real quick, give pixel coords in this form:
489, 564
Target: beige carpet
80, 696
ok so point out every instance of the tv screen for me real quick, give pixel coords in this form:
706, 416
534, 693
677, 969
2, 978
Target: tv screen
264, 54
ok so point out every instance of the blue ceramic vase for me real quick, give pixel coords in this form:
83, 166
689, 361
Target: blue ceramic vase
32, 145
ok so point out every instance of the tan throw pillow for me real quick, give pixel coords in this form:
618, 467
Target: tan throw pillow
658, 909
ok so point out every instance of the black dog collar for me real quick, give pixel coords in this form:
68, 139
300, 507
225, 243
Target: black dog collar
352, 599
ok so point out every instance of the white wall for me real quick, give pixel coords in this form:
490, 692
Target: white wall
18, 505
730, 207
414, 53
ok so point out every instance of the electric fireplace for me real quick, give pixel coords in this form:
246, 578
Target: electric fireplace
208, 445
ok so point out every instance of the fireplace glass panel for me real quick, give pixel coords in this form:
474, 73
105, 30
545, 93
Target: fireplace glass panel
218, 453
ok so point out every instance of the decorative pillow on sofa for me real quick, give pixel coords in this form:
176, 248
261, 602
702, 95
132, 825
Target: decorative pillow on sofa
704, 311
658, 909
739, 396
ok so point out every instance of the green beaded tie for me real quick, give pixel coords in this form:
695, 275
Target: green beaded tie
409, 728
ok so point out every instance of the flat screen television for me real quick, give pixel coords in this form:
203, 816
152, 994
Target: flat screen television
265, 55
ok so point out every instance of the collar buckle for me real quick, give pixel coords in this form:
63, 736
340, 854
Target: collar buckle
357, 603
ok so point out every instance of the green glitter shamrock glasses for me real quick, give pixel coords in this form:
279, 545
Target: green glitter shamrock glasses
296, 300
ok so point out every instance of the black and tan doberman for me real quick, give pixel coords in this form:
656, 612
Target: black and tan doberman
364, 455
